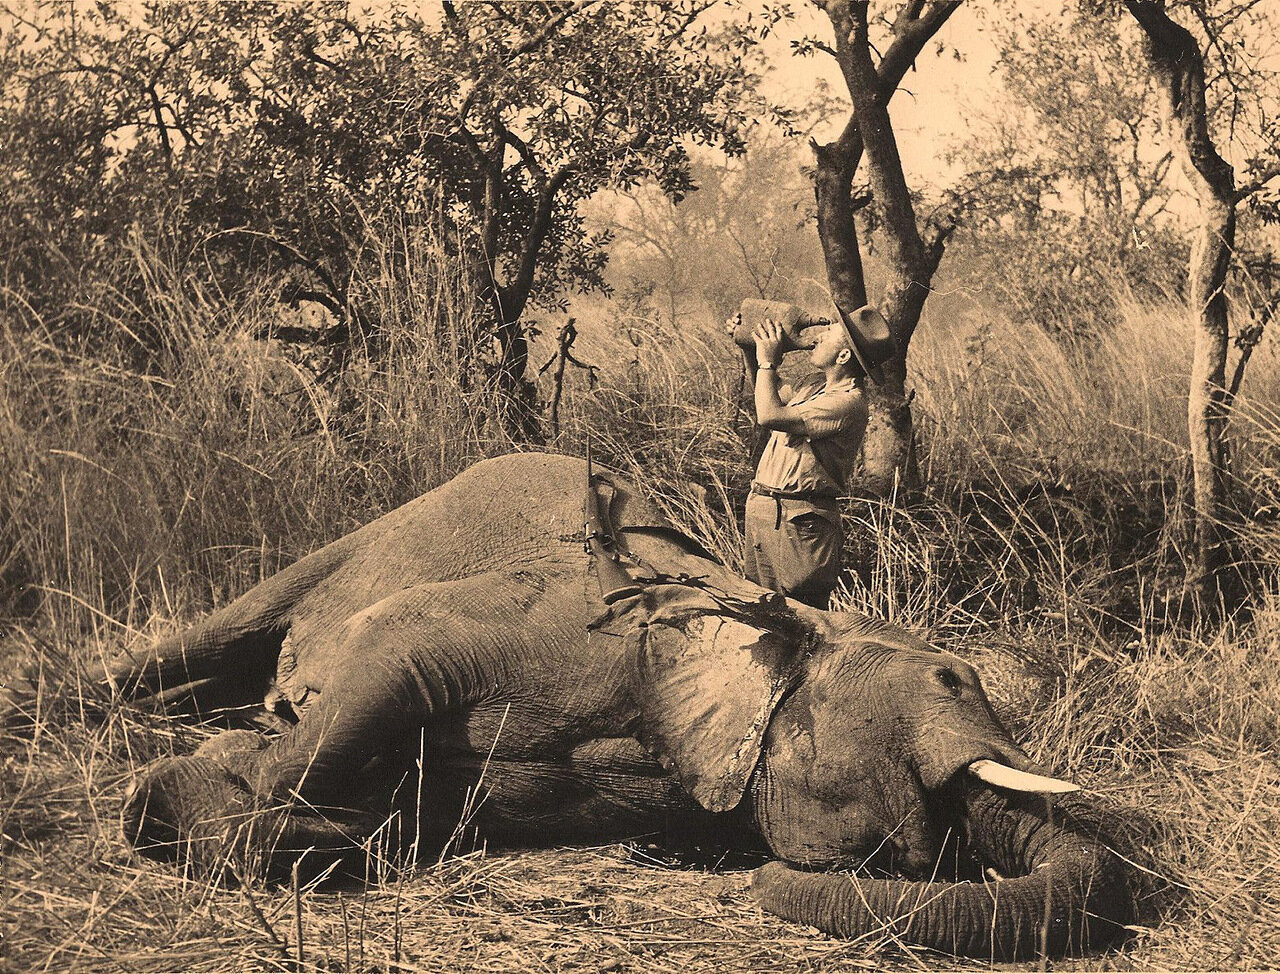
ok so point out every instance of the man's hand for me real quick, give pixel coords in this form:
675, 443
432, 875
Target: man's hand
768, 336
731, 324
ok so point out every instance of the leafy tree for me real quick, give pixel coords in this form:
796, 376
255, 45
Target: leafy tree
1216, 90
611, 97
1069, 200
912, 247
92, 125
297, 142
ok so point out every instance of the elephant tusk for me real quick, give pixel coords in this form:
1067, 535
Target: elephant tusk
1003, 776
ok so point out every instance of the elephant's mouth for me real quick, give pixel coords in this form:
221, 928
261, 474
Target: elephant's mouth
941, 847
1000, 764
946, 851
1013, 879
1019, 783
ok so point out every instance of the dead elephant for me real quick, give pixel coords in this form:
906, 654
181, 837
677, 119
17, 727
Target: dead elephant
465, 633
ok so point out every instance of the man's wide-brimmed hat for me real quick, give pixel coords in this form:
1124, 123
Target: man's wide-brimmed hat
872, 341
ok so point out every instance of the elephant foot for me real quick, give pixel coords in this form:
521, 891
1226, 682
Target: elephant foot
194, 810
200, 811
38, 692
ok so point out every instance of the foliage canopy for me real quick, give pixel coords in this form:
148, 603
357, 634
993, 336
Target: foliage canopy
283, 142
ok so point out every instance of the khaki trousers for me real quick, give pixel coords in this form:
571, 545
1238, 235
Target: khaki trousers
798, 555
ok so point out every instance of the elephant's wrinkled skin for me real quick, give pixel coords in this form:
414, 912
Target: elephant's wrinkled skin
465, 630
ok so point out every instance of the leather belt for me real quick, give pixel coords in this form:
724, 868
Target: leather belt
790, 495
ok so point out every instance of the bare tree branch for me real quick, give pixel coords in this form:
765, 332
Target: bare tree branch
163, 129
527, 156
909, 39
338, 294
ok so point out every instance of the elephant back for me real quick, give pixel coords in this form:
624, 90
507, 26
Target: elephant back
521, 512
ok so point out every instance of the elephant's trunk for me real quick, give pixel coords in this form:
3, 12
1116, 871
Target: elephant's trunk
1068, 892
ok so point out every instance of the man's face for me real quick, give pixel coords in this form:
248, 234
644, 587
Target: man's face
832, 347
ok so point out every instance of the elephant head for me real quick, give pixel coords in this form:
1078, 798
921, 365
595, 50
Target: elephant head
849, 742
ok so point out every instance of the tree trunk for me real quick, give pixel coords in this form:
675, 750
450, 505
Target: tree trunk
889, 458
832, 186
1178, 66
515, 400
521, 413
1206, 398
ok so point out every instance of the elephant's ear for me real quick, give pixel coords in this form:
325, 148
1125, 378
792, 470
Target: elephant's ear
707, 687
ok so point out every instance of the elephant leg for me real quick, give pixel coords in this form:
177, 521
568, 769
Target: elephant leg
258, 806
425, 652
159, 680
328, 782
214, 667
334, 755
226, 660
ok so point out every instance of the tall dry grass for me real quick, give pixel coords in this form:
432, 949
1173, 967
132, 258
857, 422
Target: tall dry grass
1046, 548
1057, 475
994, 392
130, 489
1007, 400
671, 417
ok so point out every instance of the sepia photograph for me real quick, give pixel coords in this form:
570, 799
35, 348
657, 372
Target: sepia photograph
657, 486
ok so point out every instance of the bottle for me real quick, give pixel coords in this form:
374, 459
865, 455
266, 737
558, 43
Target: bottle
791, 319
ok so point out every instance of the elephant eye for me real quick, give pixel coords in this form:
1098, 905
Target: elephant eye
947, 678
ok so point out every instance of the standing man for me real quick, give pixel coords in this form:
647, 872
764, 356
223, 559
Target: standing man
793, 518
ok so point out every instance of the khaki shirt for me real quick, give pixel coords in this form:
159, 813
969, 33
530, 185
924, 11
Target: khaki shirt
835, 422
